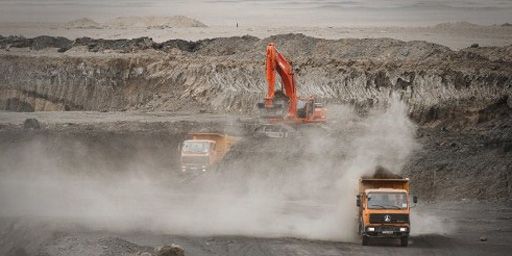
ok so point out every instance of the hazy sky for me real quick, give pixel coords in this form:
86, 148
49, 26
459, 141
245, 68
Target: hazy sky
269, 12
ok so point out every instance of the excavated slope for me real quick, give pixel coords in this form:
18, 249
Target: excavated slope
227, 74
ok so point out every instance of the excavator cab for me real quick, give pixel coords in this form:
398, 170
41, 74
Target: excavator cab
311, 111
305, 108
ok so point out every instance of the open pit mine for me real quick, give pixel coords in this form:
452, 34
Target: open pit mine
283, 145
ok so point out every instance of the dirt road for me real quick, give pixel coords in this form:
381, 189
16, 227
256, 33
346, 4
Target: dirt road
469, 222
472, 221
108, 184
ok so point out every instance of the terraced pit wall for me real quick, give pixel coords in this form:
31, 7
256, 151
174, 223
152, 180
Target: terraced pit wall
227, 74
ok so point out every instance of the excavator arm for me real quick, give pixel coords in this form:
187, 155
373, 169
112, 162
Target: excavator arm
299, 111
276, 62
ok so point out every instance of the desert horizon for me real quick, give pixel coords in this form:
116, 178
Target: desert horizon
269, 12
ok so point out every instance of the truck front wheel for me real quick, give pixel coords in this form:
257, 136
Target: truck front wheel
404, 241
365, 240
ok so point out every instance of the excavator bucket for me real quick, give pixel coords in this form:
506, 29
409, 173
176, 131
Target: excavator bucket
273, 110
277, 108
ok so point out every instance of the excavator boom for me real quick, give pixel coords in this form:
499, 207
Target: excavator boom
299, 111
276, 62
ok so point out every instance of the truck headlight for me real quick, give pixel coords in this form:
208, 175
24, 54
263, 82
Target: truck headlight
370, 229
403, 229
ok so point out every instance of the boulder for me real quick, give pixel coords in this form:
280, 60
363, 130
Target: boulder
170, 250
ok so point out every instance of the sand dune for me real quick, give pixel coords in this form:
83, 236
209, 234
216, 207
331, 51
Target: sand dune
155, 22
83, 23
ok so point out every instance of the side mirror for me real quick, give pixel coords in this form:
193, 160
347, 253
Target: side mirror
415, 199
358, 201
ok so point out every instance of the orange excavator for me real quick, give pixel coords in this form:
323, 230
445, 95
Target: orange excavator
284, 106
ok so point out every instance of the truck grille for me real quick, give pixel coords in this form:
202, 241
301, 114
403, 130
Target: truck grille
389, 218
199, 160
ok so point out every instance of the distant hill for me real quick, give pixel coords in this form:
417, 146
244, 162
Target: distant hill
155, 22
457, 25
83, 23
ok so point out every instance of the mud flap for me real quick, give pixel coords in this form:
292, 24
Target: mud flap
365, 240
404, 241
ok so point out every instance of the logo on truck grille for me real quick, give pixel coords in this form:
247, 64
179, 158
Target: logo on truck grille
389, 218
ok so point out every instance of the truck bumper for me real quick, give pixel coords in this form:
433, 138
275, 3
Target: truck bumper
194, 168
386, 231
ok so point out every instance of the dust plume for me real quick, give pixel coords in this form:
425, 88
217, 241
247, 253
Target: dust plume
427, 221
299, 188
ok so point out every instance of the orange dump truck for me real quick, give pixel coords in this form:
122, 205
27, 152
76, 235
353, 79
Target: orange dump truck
384, 208
203, 151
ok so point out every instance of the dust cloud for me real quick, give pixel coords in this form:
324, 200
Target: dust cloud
303, 189
426, 221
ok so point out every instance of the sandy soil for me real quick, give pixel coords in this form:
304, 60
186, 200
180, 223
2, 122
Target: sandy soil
455, 37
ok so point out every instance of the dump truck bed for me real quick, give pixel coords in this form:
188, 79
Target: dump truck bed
223, 141
370, 183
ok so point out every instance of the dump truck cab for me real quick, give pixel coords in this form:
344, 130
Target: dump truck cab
384, 209
197, 155
203, 151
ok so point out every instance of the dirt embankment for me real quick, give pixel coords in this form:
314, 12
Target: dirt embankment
226, 74
465, 161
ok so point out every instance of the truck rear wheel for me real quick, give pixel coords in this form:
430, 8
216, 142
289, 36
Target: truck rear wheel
404, 241
365, 240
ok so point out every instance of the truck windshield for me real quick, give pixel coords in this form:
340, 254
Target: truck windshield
196, 147
387, 200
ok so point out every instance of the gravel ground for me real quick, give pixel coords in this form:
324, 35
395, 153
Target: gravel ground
107, 184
